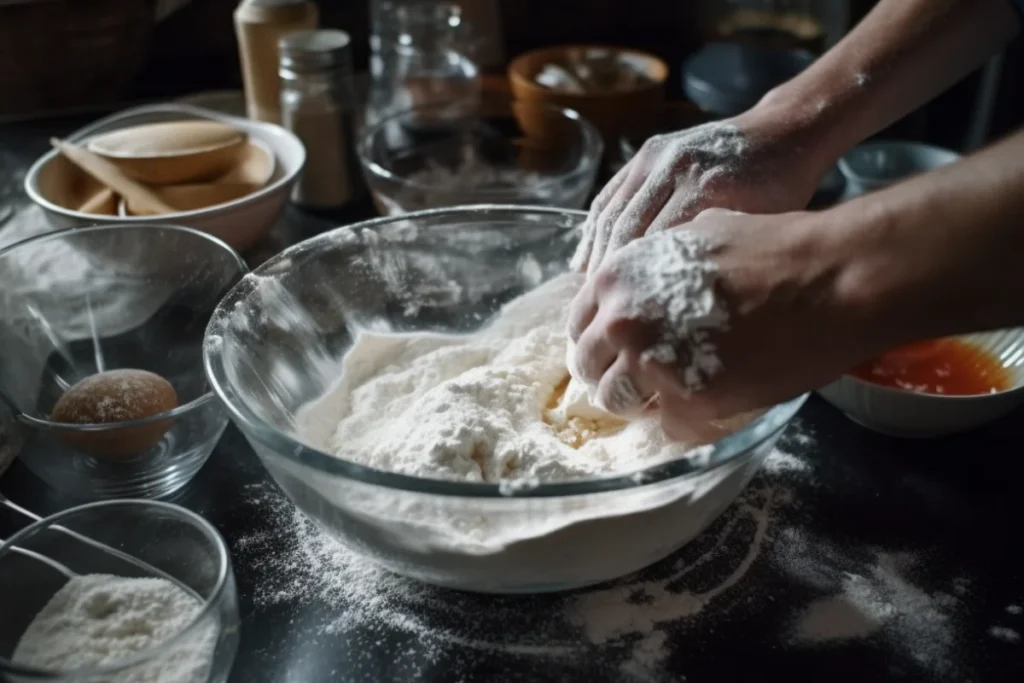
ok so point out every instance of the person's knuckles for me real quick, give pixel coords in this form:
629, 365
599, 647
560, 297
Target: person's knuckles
618, 394
627, 331
597, 250
621, 391
594, 354
604, 279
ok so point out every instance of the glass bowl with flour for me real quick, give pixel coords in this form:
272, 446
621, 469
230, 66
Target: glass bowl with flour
125, 591
404, 381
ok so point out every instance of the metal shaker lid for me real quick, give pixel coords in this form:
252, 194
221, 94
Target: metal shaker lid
316, 50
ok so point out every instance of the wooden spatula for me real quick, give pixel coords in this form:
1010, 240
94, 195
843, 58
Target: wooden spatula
111, 176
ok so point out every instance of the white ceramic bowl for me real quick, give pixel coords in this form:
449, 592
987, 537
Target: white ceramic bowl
907, 414
240, 223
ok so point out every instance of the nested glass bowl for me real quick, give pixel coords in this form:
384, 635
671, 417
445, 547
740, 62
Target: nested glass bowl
276, 342
79, 301
171, 542
496, 151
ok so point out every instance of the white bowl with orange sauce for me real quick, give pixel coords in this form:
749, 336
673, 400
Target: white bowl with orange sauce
935, 388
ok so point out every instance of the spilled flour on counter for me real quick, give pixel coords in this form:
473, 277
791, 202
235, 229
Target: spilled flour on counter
627, 625
627, 628
755, 564
871, 594
1007, 635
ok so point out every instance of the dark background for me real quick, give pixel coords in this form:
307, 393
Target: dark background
195, 49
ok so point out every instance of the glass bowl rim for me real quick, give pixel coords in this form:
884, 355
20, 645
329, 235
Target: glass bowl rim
592, 141
54, 235
224, 572
291, 449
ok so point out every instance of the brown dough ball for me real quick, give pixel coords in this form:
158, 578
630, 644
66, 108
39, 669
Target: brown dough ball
111, 397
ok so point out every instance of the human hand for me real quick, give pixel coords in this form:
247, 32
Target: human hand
756, 162
727, 314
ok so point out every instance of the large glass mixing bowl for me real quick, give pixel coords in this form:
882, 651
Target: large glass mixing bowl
276, 341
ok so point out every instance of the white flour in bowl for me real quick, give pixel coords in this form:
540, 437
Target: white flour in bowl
98, 620
495, 406
498, 406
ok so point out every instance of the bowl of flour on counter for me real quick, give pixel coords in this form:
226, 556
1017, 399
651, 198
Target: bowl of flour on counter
404, 381
119, 591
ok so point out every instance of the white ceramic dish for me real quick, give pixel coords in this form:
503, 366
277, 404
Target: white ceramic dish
240, 223
906, 414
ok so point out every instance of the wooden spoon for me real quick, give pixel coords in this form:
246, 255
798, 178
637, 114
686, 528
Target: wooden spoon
191, 197
255, 165
111, 176
103, 203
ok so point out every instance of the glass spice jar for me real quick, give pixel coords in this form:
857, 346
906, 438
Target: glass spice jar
319, 105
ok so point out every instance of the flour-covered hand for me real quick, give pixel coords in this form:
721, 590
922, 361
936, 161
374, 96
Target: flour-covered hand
754, 163
729, 313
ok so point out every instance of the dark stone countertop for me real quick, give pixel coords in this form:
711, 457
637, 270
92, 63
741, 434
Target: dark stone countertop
925, 537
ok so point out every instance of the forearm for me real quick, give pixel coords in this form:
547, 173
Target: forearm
901, 55
940, 254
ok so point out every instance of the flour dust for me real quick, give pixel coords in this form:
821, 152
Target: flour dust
636, 628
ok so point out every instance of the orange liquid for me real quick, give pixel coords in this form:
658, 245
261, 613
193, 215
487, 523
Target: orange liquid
939, 366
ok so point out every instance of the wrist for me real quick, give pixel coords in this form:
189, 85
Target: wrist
806, 135
890, 286
871, 292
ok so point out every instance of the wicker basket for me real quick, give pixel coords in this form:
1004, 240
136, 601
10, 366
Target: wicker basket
56, 54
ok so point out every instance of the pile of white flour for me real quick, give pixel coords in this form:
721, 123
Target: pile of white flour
98, 620
495, 406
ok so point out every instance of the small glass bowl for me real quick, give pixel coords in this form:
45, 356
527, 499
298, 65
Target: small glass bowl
497, 151
169, 539
79, 301
420, 76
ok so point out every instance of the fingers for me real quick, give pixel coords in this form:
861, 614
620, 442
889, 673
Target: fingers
619, 392
601, 342
609, 216
680, 208
684, 418
582, 310
581, 258
635, 220
684, 207
682, 421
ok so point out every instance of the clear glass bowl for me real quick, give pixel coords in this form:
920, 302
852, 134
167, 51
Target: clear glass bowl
79, 301
276, 342
420, 76
173, 541
498, 151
